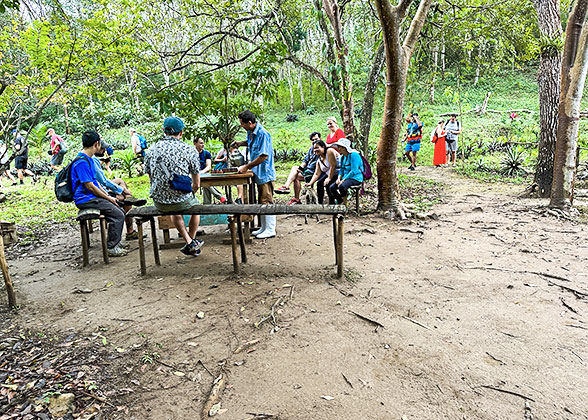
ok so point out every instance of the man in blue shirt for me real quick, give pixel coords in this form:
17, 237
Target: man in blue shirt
413, 136
89, 195
261, 150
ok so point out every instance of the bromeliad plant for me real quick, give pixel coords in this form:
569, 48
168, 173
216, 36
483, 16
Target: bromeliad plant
513, 161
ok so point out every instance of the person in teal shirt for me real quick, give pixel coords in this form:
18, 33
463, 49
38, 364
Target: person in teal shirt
350, 172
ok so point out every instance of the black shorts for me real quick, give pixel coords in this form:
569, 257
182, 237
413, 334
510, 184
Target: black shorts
20, 162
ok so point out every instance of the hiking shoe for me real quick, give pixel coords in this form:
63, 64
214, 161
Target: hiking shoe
238, 201
117, 251
294, 201
411, 168
134, 235
193, 248
283, 190
133, 201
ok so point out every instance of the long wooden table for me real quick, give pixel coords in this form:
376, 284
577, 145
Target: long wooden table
148, 214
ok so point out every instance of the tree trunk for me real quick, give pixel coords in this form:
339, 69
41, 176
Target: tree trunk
573, 77
330, 51
291, 90
434, 73
66, 118
442, 57
368, 99
300, 87
332, 10
548, 80
478, 66
397, 61
485, 103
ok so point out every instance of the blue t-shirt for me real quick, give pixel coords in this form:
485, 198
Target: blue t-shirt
82, 171
203, 156
259, 142
351, 167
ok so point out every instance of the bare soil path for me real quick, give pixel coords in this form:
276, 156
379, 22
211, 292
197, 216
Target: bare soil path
479, 318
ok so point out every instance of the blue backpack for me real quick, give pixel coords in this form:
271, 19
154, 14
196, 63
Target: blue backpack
143, 142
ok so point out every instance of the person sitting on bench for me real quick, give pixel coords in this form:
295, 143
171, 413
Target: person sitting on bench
327, 170
350, 173
300, 173
205, 166
172, 164
89, 195
233, 160
118, 189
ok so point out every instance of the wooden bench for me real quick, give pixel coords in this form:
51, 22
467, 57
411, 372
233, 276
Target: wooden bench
85, 218
148, 214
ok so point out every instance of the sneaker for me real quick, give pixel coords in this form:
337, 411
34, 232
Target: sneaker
14, 183
411, 168
21, 182
294, 201
124, 245
283, 190
193, 248
223, 200
117, 251
134, 235
238, 201
133, 201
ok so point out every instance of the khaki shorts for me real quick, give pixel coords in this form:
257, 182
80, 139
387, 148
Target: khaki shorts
265, 193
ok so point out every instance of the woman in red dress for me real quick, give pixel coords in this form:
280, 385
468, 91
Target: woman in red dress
438, 137
336, 133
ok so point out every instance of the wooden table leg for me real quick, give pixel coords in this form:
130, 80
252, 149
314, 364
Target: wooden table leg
85, 250
233, 229
335, 238
141, 247
166, 238
154, 241
241, 240
340, 226
104, 239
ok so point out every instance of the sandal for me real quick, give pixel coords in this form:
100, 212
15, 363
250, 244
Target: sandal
294, 201
283, 190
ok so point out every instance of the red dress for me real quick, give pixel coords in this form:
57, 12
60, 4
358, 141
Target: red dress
439, 156
336, 136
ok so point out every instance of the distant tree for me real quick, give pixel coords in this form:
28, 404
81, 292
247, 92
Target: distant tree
573, 77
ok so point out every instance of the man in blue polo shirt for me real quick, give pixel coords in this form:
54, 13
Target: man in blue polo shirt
89, 195
261, 150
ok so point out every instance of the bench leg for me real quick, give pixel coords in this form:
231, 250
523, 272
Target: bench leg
141, 247
154, 241
90, 226
166, 238
104, 239
241, 240
335, 239
84, 233
357, 202
233, 229
340, 227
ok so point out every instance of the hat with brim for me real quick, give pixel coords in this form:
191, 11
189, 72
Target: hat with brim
345, 144
173, 125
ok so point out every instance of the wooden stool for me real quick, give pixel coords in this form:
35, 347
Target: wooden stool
84, 217
356, 190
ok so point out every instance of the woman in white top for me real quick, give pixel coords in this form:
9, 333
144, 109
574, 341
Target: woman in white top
326, 171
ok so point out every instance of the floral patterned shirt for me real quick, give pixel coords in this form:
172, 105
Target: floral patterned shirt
165, 158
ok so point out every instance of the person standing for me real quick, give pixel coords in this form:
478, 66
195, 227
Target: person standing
58, 150
438, 137
4, 162
205, 166
336, 133
168, 159
261, 150
453, 129
413, 136
89, 195
350, 172
21, 148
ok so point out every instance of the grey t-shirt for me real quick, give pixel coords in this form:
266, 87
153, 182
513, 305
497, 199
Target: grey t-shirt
451, 126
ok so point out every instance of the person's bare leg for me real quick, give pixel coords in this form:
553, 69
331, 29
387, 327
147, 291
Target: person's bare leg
9, 175
414, 154
453, 158
181, 227
407, 154
291, 176
20, 175
193, 225
297, 186
29, 172
240, 192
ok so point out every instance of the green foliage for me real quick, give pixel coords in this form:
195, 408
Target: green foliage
127, 162
37, 137
291, 117
513, 161
310, 110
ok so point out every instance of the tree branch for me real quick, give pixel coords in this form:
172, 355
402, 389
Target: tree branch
416, 26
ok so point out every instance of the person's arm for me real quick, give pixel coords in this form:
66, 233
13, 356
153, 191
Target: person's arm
355, 164
458, 131
207, 166
307, 158
315, 176
195, 182
257, 161
98, 192
135, 143
221, 156
239, 143
332, 158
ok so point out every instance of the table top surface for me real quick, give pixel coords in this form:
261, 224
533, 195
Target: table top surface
230, 175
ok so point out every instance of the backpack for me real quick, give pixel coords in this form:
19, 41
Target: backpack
63, 186
143, 142
367, 170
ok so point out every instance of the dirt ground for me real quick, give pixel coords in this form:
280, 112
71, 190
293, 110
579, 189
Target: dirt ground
477, 311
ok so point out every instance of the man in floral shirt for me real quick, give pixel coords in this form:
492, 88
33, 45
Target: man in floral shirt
168, 157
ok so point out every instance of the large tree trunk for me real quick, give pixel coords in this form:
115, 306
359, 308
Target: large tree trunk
548, 79
368, 99
573, 77
333, 13
435, 54
397, 61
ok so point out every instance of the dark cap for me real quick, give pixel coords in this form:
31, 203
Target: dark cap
173, 125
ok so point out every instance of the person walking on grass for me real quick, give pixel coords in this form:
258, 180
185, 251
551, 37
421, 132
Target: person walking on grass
58, 150
413, 136
303, 172
4, 157
453, 129
171, 164
261, 151
21, 149
89, 195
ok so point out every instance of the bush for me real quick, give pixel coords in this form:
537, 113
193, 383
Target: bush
512, 162
291, 118
310, 110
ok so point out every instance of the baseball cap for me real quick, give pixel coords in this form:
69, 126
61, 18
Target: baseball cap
173, 124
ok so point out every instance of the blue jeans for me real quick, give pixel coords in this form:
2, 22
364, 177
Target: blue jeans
339, 192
